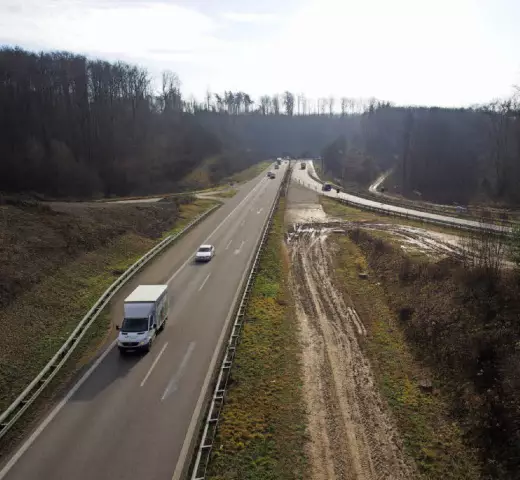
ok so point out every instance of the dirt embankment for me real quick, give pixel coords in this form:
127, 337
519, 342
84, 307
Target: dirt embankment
36, 238
463, 323
351, 435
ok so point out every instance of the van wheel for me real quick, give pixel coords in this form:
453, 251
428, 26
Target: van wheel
149, 346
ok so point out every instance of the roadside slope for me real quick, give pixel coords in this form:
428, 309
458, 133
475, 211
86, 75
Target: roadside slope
57, 262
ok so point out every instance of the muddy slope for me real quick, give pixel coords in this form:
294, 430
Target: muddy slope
351, 435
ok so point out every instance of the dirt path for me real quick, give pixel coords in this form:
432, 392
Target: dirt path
351, 436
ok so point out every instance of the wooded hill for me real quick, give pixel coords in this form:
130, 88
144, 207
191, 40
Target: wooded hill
74, 127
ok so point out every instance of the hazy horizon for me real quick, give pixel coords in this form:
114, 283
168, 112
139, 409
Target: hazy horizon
441, 53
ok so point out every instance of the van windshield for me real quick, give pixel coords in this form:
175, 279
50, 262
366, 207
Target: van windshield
134, 325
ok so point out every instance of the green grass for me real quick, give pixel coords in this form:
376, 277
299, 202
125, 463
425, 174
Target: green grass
40, 319
226, 193
430, 436
261, 433
250, 173
188, 212
353, 214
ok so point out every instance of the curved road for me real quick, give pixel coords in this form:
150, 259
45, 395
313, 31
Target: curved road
304, 178
128, 417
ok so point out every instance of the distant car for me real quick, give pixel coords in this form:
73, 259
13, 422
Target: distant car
327, 187
277, 167
205, 253
271, 175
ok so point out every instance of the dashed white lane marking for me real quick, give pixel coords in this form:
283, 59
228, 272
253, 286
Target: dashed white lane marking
204, 282
174, 382
154, 364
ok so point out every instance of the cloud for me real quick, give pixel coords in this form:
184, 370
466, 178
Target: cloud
135, 28
241, 17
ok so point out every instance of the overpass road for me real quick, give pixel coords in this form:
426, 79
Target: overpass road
128, 417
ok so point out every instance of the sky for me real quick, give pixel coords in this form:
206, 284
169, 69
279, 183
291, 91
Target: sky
413, 52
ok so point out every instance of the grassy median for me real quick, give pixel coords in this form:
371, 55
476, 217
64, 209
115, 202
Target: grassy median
347, 212
261, 432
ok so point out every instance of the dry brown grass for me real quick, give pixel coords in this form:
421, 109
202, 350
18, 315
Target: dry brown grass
64, 262
462, 324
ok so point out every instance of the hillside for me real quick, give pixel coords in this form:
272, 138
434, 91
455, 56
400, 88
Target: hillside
79, 128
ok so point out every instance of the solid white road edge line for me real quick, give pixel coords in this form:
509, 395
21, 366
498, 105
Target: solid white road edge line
54, 412
204, 282
218, 228
26, 445
196, 412
153, 364
172, 386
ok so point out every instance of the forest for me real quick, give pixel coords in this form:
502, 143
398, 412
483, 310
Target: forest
73, 127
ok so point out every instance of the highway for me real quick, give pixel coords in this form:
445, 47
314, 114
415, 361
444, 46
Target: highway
304, 178
128, 416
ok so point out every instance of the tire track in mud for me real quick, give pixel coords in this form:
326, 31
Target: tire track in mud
351, 435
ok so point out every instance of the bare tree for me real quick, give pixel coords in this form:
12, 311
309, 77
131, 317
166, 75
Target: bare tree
247, 102
171, 95
304, 104
265, 102
275, 100
502, 115
238, 101
331, 105
229, 99
288, 100
323, 102
301, 99
344, 106
220, 102
209, 96
486, 249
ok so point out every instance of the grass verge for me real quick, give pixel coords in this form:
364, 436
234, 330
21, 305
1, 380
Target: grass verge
261, 432
189, 212
250, 173
226, 193
353, 214
49, 312
430, 435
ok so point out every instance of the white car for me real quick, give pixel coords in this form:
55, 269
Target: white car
205, 253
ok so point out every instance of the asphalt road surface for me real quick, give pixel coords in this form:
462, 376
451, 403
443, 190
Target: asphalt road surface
129, 418
303, 177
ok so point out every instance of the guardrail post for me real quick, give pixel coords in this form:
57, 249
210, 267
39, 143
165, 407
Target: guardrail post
14, 411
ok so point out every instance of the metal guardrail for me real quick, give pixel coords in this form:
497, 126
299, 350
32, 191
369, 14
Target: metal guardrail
411, 206
33, 390
502, 228
205, 446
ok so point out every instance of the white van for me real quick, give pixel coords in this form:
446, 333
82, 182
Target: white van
145, 315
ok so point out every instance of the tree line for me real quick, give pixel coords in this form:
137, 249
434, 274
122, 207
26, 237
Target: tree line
438, 154
76, 127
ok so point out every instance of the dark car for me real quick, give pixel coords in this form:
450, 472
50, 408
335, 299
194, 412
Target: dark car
327, 187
